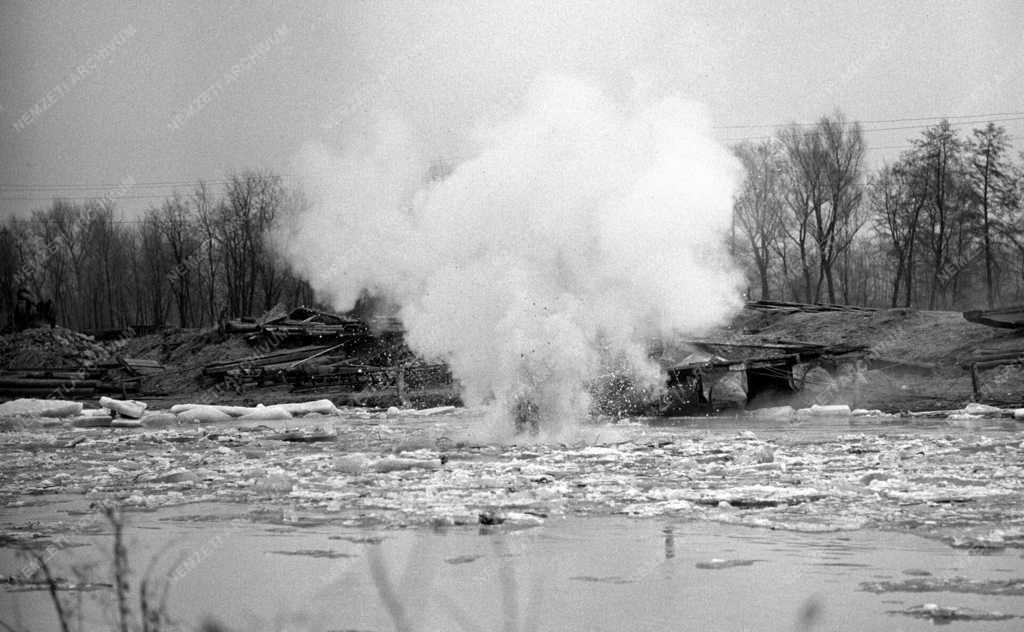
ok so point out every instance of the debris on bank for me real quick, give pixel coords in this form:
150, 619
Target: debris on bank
310, 351
54, 348
304, 324
733, 372
774, 354
317, 352
57, 362
790, 307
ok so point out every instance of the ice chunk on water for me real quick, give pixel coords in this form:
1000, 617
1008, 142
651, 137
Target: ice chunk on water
774, 412
262, 412
204, 414
975, 408
40, 408
124, 407
833, 410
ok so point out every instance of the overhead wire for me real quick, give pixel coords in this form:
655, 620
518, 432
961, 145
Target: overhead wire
873, 121
45, 192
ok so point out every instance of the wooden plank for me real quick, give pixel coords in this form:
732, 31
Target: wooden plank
139, 366
807, 307
45, 393
934, 413
1011, 317
993, 357
991, 364
921, 367
757, 345
47, 374
46, 383
264, 359
140, 362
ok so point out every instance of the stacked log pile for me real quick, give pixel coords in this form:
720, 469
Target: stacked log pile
305, 326
58, 362
350, 354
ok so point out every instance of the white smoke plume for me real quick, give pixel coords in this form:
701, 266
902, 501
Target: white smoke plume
579, 229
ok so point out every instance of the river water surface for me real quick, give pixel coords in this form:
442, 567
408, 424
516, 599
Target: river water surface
360, 523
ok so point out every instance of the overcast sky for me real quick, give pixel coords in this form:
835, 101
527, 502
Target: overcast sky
92, 94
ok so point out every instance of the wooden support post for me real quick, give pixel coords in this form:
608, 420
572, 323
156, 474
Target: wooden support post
400, 383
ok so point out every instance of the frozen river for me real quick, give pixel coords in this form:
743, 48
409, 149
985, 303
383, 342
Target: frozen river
360, 523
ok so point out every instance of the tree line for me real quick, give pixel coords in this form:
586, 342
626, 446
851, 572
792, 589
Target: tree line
939, 228
196, 258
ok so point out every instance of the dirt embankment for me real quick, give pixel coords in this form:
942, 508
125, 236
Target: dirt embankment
184, 353
56, 348
917, 339
940, 338
926, 349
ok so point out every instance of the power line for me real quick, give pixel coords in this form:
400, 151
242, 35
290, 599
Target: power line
35, 220
85, 198
867, 130
46, 192
869, 122
904, 127
82, 187
157, 184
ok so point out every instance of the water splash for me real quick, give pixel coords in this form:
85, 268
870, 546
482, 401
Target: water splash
578, 230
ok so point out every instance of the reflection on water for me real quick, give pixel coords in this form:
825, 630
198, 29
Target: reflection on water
569, 574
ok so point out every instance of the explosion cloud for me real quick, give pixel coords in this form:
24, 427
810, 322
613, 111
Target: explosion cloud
578, 229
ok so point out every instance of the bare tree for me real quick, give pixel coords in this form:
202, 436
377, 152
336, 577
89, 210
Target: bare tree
193, 254
759, 204
896, 204
937, 156
101, 282
208, 216
175, 223
836, 221
252, 202
152, 269
991, 181
13, 267
51, 228
805, 195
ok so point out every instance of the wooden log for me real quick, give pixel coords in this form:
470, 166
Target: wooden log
261, 360
934, 413
759, 345
884, 362
1005, 358
46, 393
991, 364
138, 366
46, 383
